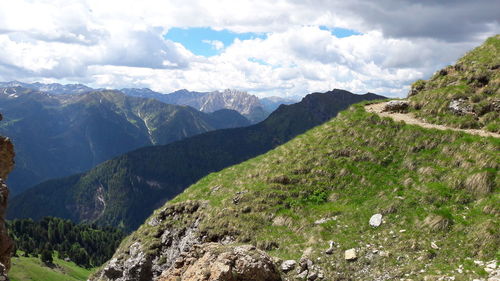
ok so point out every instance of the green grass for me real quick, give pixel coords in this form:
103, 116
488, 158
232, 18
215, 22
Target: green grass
475, 78
32, 268
350, 168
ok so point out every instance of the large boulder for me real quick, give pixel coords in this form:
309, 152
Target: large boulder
213, 261
396, 106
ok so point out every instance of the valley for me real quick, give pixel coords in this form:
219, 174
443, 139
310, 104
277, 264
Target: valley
249, 140
136, 183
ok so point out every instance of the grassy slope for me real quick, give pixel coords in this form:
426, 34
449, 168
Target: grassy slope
31, 268
431, 186
129, 196
475, 78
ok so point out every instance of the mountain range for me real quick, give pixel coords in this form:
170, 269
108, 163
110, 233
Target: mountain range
363, 196
125, 190
253, 108
52, 88
59, 135
248, 105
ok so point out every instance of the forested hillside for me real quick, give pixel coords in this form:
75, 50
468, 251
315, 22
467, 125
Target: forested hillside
124, 191
86, 245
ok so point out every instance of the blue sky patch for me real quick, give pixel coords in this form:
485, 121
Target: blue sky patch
340, 32
259, 61
202, 41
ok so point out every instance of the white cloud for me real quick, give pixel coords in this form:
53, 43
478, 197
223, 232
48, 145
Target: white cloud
120, 43
216, 44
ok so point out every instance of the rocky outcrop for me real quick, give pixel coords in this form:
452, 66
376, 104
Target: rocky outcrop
6, 165
396, 106
461, 107
214, 261
147, 260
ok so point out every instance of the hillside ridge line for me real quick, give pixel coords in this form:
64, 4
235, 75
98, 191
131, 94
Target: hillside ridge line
378, 108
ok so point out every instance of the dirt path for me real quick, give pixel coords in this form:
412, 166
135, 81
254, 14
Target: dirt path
409, 119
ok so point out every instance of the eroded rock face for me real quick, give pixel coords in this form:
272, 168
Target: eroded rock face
213, 261
6, 165
138, 262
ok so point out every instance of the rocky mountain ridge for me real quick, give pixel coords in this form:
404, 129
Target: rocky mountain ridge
246, 104
53, 88
59, 135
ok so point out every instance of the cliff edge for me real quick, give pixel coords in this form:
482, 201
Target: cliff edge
6, 165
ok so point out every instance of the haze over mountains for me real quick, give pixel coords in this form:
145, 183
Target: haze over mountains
59, 135
253, 108
125, 190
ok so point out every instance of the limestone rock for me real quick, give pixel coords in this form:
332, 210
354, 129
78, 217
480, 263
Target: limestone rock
302, 275
213, 261
288, 265
350, 255
396, 106
135, 263
460, 107
324, 220
376, 220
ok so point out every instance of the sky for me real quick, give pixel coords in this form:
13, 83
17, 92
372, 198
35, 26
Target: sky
268, 48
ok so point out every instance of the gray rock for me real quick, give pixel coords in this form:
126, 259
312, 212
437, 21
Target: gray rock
222, 263
396, 106
288, 265
460, 107
324, 220
312, 275
136, 263
303, 275
329, 251
376, 220
305, 263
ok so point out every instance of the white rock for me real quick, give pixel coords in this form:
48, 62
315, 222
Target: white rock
350, 255
324, 220
303, 275
434, 246
288, 265
494, 278
492, 265
376, 220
